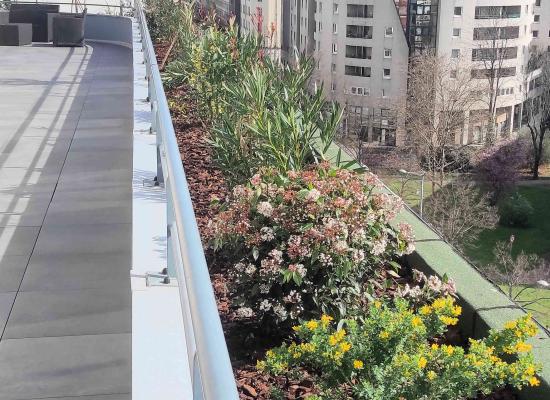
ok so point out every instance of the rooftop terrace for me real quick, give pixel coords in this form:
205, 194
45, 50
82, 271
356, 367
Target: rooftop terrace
65, 221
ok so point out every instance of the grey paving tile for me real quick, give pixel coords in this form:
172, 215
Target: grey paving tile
35, 153
126, 396
65, 366
69, 312
23, 180
6, 302
23, 209
17, 241
76, 271
12, 269
89, 212
83, 239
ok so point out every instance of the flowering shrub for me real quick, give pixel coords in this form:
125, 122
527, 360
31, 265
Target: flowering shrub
392, 355
306, 241
426, 288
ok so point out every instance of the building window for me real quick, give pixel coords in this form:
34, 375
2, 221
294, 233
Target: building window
487, 54
537, 3
453, 74
537, 18
456, 32
389, 31
387, 73
334, 28
334, 48
359, 52
505, 32
535, 34
359, 31
384, 93
353, 70
387, 53
360, 11
458, 11
497, 12
333, 67
335, 8
455, 53
500, 72
333, 86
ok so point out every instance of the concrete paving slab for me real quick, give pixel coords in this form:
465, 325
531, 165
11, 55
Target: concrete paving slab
23, 209
12, 269
74, 271
38, 368
32, 152
23, 180
105, 211
6, 301
126, 396
69, 312
17, 240
85, 239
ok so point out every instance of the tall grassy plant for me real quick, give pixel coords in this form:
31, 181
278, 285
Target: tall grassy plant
272, 119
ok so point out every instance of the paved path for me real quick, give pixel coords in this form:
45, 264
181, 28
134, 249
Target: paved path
65, 222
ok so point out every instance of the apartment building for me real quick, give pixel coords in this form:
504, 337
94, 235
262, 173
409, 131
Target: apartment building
362, 56
362, 50
266, 18
225, 9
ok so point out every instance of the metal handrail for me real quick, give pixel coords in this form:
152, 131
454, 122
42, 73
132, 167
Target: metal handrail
211, 371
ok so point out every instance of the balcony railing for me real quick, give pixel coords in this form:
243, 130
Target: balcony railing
211, 372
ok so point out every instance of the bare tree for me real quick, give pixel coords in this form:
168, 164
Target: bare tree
517, 275
490, 54
460, 211
441, 95
536, 106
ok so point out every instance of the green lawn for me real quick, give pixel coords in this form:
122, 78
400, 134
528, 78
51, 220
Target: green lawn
532, 240
408, 189
541, 309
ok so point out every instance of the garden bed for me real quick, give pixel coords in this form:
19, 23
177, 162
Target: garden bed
285, 205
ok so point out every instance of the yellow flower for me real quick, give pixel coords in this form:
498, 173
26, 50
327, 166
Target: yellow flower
431, 375
377, 304
332, 340
325, 320
269, 354
357, 364
422, 362
296, 328
448, 349
530, 370
425, 310
511, 325
523, 347
435, 346
345, 346
260, 365
457, 310
533, 381
312, 325
307, 347
448, 320
384, 335
416, 321
440, 303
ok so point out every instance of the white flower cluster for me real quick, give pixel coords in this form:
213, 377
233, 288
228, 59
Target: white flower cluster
245, 312
265, 208
267, 234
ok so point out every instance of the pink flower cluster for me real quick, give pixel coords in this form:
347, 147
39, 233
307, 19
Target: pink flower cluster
303, 229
